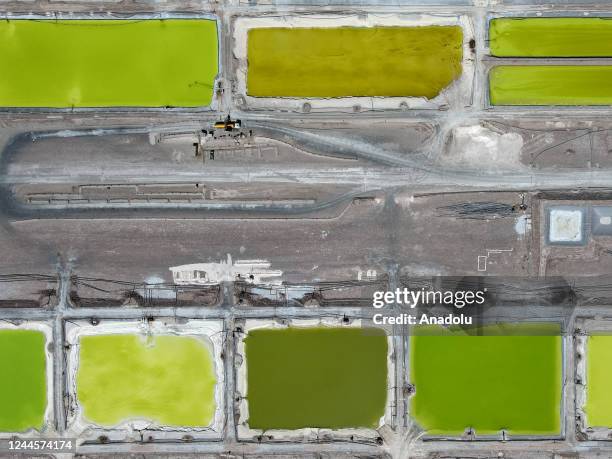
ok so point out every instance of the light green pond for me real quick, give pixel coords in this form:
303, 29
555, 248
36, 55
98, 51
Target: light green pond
551, 85
599, 375
107, 63
509, 381
316, 377
166, 379
23, 384
550, 37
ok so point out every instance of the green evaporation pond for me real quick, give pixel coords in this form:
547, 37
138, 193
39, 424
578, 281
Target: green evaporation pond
166, 379
599, 375
509, 379
107, 63
551, 85
353, 61
550, 37
316, 377
23, 385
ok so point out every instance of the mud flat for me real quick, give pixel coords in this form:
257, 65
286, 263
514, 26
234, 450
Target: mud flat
108, 63
550, 37
551, 85
508, 379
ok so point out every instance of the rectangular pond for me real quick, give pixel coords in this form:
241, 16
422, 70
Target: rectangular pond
598, 407
508, 380
166, 379
320, 377
353, 61
551, 37
108, 63
23, 394
550, 85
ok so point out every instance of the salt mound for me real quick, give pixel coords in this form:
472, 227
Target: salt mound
477, 147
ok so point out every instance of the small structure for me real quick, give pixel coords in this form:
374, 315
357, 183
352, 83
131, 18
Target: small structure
566, 225
601, 220
249, 271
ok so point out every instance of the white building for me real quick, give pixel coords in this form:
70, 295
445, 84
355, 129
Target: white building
251, 271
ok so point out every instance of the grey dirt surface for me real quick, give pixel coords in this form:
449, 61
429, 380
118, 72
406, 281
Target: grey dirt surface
97, 205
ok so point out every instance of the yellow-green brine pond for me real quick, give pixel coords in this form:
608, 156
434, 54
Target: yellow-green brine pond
353, 61
324, 377
487, 380
599, 374
166, 379
550, 85
550, 37
107, 62
23, 398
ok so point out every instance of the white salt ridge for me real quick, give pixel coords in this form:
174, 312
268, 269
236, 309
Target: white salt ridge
477, 147
522, 225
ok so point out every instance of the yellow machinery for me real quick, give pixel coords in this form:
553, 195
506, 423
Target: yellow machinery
228, 124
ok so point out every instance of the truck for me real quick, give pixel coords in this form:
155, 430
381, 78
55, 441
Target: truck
228, 124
